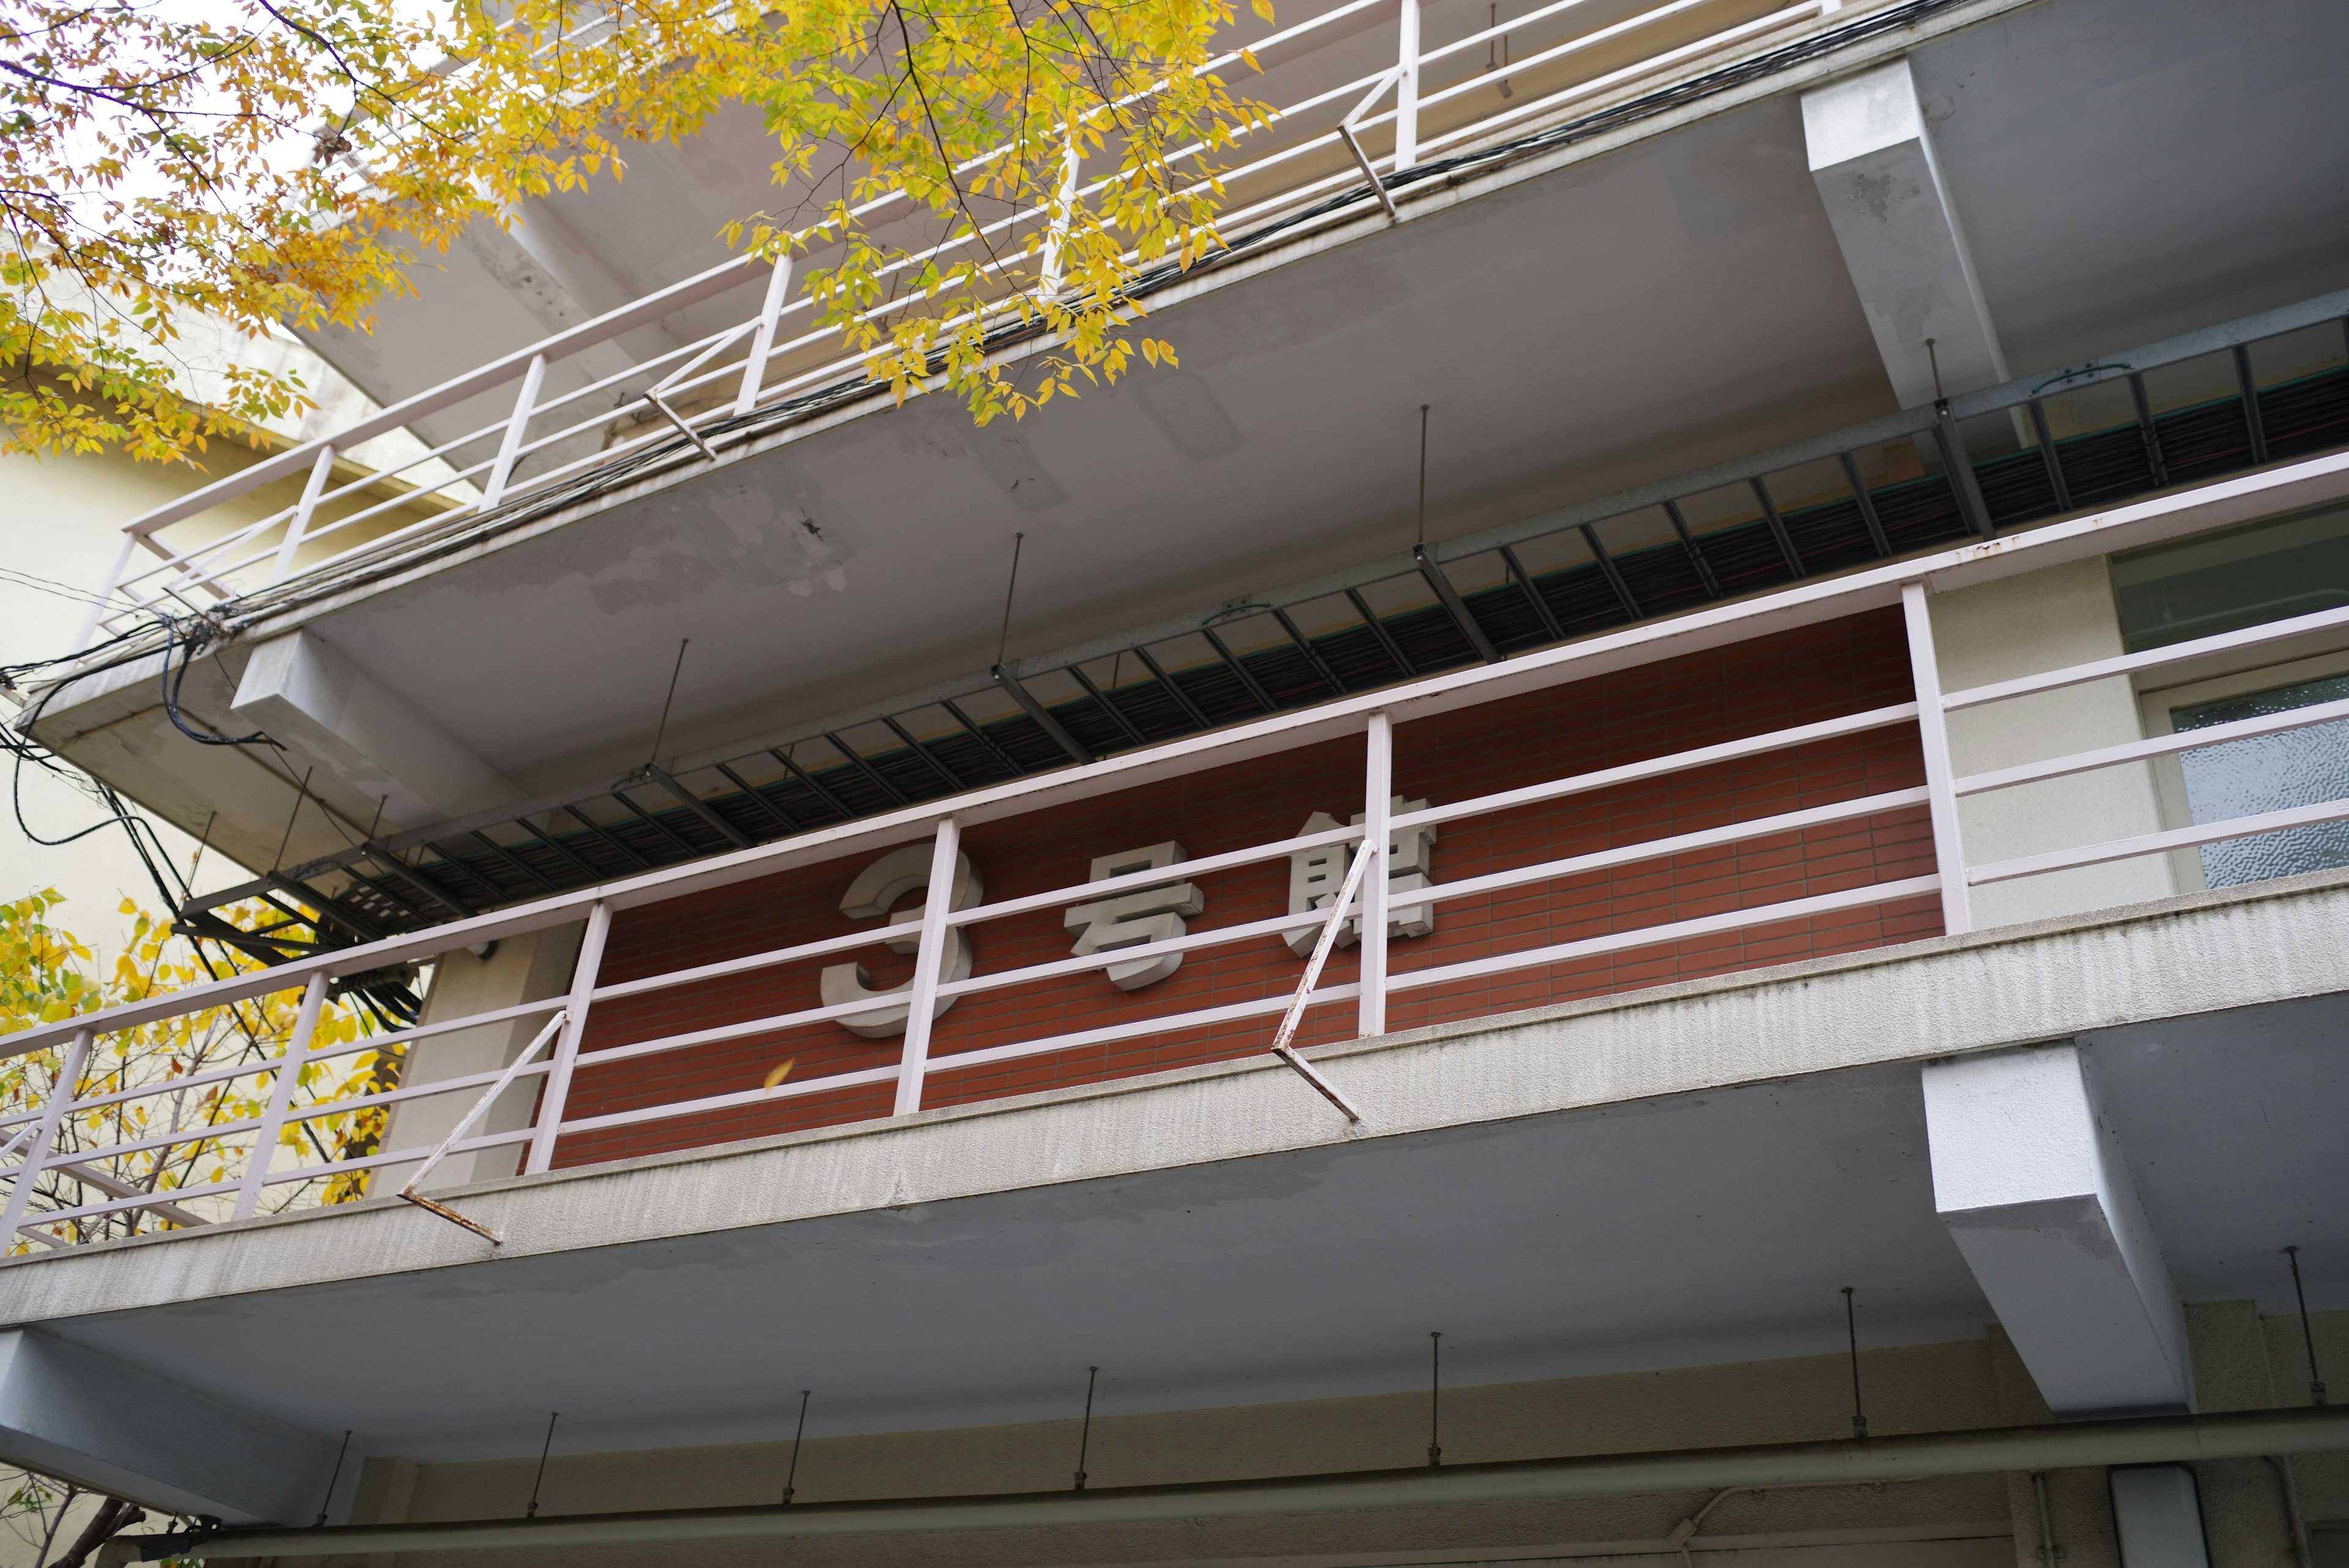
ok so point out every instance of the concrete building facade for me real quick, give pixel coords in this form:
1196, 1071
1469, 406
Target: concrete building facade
1763, 983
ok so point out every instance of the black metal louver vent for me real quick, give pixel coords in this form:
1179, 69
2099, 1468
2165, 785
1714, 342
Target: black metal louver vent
645, 823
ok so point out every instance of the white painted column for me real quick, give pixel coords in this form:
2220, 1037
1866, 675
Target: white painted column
44, 1141
929, 962
1378, 807
2032, 1185
282, 1085
2157, 1515
1406, 145
1933, 735
1872, 159
557, 1093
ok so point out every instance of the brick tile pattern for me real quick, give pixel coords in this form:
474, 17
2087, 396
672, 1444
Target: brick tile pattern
1796, 678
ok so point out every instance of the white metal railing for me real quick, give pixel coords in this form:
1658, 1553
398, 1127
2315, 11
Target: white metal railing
1373, 717
1311, 149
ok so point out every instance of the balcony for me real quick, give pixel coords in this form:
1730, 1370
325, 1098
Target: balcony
1734, 788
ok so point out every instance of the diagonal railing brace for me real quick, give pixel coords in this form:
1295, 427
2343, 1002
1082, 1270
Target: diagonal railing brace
553, 1026
1340, 909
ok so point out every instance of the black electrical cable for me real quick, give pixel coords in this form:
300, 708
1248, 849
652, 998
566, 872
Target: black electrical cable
174, 680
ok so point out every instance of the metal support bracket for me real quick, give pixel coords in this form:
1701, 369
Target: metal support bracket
699, 807
1378, 186
660, 406
1962, 483
1041, 714
1454, 606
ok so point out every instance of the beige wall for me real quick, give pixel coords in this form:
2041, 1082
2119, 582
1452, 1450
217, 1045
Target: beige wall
2021, 626
60, 524
519, 968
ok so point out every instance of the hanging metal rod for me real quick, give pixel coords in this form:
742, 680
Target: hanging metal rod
2248, 1434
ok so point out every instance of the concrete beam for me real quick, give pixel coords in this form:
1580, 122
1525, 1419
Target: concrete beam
329, 712
2031, 1182
1872, 159
85, 1417
2158, 1515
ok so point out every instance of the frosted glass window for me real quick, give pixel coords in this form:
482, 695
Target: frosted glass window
2269, 772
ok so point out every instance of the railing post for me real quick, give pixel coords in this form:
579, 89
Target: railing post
1406, 144
929, 962
762, 342
45, 1136
1056, 232
105, 595
551, 1098
1378, 792
1933, 734
297, 525
509, 447
281, 1096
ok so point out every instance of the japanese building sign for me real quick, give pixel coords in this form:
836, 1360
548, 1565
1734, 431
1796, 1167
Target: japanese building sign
1129, 920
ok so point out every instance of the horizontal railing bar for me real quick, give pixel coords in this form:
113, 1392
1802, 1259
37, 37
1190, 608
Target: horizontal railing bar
2155, 746
203, 1133
319, 1053
2131, 663
187, 558
148, 1146
419, 496
377, 476
1653, 767
1664, 848
1487, 126
780, 1021
396, 1157
1164, 1023
175, 1086
788, 1089
114, 1205
1157, 877
2156, 843
1673, 931
1606, 35
317, 1109
727, 275
848, 942
1545, 871
445, 1026
1646, 936
1057, 968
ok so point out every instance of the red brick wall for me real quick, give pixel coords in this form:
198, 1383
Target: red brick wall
1772, 683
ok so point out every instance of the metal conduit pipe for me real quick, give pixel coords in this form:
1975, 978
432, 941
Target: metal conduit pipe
2249, 1433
